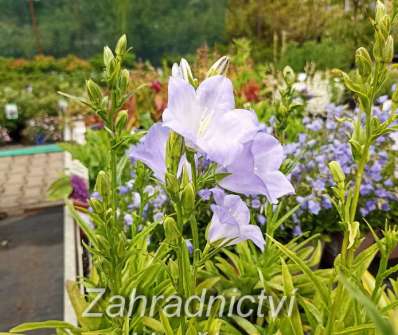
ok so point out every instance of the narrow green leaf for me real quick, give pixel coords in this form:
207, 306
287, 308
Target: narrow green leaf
356, 329
248, 327
321, 288
82, 224
44, 325
380, 322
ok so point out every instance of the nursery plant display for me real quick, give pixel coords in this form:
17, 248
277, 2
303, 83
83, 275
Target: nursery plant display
31, 109
231, 275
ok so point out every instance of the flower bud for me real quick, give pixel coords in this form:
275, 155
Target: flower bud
102, 184
186, 72
363, 62
174, 151
188, 199
289, 75
124, 80
121, 46
385, 26
94, 92
121, 120
378, 47
172, 185
380, 11
186, 175
108, 56
388, 53
170, 229
220, 67
337, 172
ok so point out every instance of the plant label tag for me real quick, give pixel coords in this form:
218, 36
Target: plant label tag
11, 111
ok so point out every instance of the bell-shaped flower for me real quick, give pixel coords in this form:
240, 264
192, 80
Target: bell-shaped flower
256, 170
231, 221
152, 150
206, 118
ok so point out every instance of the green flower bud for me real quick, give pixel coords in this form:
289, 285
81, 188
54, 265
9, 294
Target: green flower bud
388, 50
220, 67
337, 172
385, 26
103, 185
381, 11
124, 80
289, 75
121, 120
174, 151
172, 186
363, 62
121, 46
378, 47
170, 229
185, 176
108, 56
188, 199
94, 92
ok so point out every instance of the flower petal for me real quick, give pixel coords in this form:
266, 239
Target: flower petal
152, 150
237, 208
216, 94
277, 185
268, 152
242, 178
226, 134
183, 114
253, 233
222, 225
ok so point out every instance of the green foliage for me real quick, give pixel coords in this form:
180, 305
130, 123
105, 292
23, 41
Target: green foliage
94, 154
326, 54
83, 27
60, 189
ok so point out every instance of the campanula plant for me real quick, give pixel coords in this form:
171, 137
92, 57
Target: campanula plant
208, 155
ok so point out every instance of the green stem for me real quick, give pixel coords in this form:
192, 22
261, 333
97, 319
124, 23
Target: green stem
339, 290
348, 255
179, 250
358, 182
114, 185
195, 240
269, 226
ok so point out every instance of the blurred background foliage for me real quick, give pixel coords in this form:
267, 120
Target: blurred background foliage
83, 27
282, 31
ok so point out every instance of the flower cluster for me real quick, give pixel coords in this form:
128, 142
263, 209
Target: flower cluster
325, 140
151, 202
230, 138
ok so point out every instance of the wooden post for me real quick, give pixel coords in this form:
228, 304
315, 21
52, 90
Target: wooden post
35, 29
